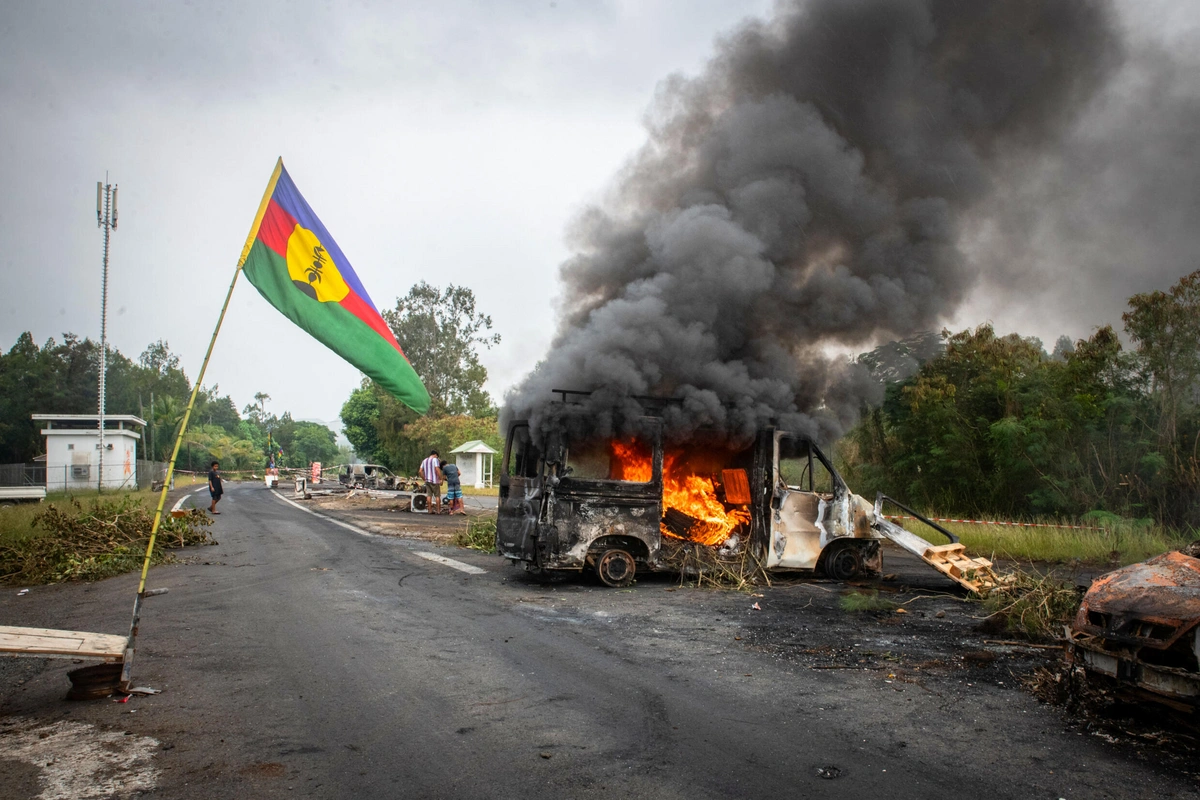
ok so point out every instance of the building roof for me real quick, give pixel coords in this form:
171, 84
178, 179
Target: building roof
83, 420
474, 446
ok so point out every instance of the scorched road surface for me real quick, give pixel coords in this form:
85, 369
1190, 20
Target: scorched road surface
299, 658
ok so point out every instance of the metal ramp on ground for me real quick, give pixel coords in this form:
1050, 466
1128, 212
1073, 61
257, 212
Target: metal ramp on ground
974, 574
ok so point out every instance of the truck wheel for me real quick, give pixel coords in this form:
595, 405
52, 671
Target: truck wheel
615, 568
842, 562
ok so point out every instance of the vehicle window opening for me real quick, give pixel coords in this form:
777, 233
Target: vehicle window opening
628, 460
524, 458
801, 469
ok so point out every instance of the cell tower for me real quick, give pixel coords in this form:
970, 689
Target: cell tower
106, 218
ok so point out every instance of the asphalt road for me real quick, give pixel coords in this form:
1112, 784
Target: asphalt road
299, 658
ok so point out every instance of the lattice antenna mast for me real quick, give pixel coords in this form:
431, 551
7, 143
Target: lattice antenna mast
106, 218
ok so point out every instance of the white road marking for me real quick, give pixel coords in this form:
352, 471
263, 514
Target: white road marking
179, 503
78, 761
450, 562
337, 522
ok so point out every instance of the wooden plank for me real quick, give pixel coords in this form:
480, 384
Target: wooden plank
77, 644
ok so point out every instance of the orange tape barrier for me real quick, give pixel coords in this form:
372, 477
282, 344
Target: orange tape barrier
1007, 524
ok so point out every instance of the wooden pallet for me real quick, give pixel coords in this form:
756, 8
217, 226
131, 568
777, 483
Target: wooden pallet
973, 574
46, 643
951, 559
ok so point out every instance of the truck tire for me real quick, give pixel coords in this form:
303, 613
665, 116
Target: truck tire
842, 561
615, 568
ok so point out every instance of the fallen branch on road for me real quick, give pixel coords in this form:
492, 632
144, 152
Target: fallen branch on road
106, 538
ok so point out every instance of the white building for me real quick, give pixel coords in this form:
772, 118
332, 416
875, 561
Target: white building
73, 450
475, 460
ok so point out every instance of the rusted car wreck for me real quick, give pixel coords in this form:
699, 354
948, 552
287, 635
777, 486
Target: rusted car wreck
623, 506
1140, 626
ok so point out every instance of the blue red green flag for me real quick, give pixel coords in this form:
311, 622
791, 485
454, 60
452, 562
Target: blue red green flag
297, 266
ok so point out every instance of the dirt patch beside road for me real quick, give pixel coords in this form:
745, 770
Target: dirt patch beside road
390, 516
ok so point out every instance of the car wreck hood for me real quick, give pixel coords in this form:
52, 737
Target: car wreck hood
1164, 590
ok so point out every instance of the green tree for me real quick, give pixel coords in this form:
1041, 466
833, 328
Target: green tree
360, 414
313, 442
164, 420
1166, 328
212, 408
996, 426
446, 433
441, 333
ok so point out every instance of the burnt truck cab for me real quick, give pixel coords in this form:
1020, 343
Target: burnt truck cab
627, 505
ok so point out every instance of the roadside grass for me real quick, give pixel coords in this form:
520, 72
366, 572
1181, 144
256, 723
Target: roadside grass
489, 491
188, 480
858, 601
1114, 544
479, 534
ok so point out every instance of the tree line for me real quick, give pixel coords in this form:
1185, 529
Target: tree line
441, 332
61, 377
996, 425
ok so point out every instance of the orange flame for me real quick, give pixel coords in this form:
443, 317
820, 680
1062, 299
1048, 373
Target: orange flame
689, 493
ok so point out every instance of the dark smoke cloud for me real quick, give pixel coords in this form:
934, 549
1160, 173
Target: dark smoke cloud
805, 191
1113, 210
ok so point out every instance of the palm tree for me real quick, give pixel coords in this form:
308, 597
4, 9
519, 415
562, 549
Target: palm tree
167, 413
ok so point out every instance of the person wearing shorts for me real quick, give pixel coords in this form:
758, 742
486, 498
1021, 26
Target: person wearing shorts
453, 487
214, 487
431, 473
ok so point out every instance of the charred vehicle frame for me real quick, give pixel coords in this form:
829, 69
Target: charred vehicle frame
576, 503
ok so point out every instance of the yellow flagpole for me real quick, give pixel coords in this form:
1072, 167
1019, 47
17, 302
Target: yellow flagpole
187, 414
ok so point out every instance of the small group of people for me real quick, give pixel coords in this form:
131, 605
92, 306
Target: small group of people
433, 472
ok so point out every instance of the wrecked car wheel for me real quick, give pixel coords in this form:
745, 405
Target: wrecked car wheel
842, 562
615, 568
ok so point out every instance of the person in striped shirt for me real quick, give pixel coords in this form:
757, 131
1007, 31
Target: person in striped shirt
431, 473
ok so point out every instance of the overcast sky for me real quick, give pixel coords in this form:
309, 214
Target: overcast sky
449, 142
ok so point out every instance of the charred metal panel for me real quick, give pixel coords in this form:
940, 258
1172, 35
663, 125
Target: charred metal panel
1151, 604
522, 498
805, 519
581, 520
1141, 625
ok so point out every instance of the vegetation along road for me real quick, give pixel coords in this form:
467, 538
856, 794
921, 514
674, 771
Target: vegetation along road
301, 658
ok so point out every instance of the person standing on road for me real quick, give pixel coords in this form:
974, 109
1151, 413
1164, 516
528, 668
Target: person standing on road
214, 487
431, 473
453, 487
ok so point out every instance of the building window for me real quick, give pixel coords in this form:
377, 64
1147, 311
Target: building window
70, 447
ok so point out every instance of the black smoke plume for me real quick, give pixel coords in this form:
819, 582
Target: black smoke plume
806, 192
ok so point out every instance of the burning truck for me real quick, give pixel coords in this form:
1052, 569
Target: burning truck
639, 503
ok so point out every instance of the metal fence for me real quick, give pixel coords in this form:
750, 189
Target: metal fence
22, 474
150, 471
78, 477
